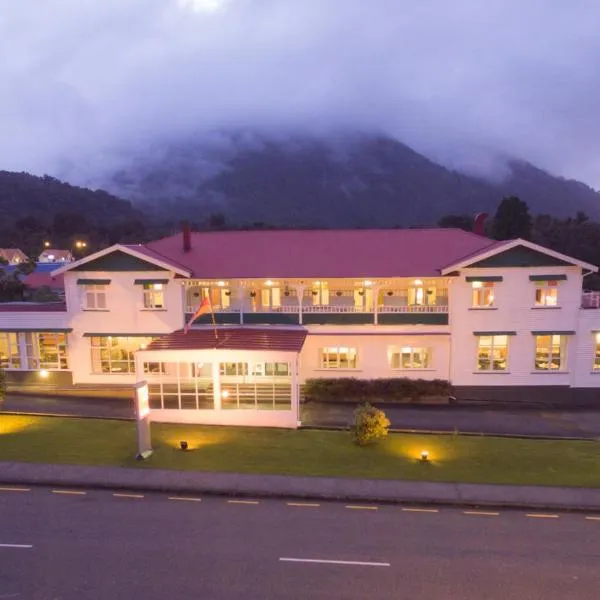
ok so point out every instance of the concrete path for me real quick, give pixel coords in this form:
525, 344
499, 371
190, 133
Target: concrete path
576, 424
94, 545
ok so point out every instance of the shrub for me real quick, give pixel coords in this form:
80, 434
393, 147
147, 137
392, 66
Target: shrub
399, 388
370, 425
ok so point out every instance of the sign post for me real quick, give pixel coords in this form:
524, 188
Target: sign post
142, 420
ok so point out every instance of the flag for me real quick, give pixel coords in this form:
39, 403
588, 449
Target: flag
203, 307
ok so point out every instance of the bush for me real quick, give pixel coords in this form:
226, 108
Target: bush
398, 389
370, 425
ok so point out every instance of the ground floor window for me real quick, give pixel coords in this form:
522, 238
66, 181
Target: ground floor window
597, 352
114, 354
550, 352
410, 357
492, 353
338, 357
46, 350
10, 356
179, 386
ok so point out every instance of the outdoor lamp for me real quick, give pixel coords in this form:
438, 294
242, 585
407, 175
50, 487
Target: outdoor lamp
183, 445
424, 456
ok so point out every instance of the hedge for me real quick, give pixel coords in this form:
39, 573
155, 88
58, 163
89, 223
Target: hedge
398, 389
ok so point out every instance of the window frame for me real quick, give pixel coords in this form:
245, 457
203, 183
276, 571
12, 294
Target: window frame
397, 353
596, 357
352, 364
478, 293
36, 357
13, 360
493, 346
97, 350
150, 293
562, 353
95, 291
544, 287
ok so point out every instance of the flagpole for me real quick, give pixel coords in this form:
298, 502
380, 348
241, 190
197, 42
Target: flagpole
212, 314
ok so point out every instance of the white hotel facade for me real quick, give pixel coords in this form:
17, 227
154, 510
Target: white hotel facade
499, 320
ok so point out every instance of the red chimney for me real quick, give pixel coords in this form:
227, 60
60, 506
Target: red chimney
187, 236
479, 223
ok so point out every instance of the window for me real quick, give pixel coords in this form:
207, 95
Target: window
9, 351
483, 294
277, 369
319, 293
597, 352
234, 369
95, 297
546, 293
46, 350
492, 353
410, 358
338, 358
550, 352
113, 354
154, 296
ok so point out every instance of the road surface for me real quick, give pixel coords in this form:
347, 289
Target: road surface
119, 545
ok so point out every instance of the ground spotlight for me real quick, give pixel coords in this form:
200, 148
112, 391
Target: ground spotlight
183, 445
424, 456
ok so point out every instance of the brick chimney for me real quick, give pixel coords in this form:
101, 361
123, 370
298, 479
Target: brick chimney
186, 236
479, 223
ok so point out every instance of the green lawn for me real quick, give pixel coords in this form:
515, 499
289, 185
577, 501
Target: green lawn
257, 450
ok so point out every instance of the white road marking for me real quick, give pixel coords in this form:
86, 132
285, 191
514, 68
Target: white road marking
16, 546
593, 518
353, 507
482, 513
185, 499
335, 562
14, 489
424, 510
128, 495
243, 501
311, 504
541, 516
71, 492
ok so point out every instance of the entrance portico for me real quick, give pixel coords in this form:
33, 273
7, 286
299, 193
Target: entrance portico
227, 376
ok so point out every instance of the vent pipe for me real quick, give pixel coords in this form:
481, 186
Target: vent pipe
186, 236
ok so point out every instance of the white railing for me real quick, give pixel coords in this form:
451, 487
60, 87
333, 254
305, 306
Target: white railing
414, 308
332, 308
590, 300
189, 310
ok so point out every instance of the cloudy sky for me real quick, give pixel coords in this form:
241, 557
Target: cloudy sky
88, 82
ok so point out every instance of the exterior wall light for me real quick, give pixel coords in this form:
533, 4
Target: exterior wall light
183, 445
44, 374
224, 394
424, 456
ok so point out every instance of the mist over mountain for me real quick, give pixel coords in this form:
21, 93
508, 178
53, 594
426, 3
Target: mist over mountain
343, 181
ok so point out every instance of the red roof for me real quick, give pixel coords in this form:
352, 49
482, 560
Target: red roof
33, 307
233, 338
321, 253
39, 279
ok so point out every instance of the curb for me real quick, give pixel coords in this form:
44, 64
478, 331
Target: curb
321, 488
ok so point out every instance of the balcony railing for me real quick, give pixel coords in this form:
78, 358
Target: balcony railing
328, 308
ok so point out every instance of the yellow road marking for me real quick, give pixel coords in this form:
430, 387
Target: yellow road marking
185, 499
482, 513
302, 504
71, 492
354, 507
243, 501
541, 516
14, 489
128, 495
425, 510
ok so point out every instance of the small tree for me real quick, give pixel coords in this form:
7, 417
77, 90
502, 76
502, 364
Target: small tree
370, 425
512, 220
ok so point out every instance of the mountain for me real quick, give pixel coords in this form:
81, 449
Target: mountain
348, 182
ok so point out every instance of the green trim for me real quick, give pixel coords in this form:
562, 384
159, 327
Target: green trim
87, 334
338, 318
520, 256
93, 281
547, 278
409, 318
150, 281
37, 329
271, 318
552, 333
118, 261
221, 318
484, 278
480, 333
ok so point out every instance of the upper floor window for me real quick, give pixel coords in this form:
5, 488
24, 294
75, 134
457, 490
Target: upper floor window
154, 296
483, 294
10, 357
546, 293
597, 352
46, 350
95, 297
410, 358
319, 292
492, 353
338, 357
550, 352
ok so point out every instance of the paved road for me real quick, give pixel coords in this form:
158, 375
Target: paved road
98, 545
584, 424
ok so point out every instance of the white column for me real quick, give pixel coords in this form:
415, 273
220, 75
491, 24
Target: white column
300, 296
295, 390
376, 290
216, 379
241, 300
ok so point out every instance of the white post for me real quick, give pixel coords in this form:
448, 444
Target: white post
295, 390
376, 290
216, 379
300, 297
241, 297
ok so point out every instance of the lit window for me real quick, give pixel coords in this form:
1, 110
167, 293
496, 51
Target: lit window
115, 354
483, 294
95, 297
9, 351
154, 296
492, 353
597, 352
410, 358
319, 293
550, 352
235, 369
46, 350
339, 357
546, 293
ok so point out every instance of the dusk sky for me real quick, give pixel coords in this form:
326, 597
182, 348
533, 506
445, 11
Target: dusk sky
87, 82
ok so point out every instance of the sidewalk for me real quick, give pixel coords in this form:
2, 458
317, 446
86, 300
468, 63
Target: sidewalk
325, 488
518, 422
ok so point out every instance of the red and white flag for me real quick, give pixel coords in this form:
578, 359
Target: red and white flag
203, 307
